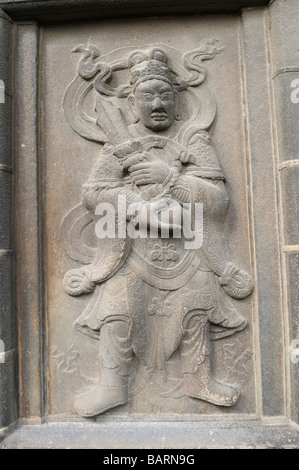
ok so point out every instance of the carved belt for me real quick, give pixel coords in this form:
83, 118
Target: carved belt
165, 278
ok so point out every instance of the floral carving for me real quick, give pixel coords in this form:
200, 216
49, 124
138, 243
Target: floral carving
160, 307
164, 253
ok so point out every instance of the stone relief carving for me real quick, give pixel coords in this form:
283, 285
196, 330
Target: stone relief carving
155, 301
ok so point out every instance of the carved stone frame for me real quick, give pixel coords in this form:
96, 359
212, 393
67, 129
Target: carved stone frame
23, 370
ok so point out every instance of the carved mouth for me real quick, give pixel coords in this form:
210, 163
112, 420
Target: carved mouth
159, 116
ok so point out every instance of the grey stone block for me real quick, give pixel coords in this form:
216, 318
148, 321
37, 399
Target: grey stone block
7, 391
284, 34
5, 124
92, 8
118, 435
295, 391
289, 177
5, 40
287, 114
5, 210
292, 265
26, 213
7, 320
264, 211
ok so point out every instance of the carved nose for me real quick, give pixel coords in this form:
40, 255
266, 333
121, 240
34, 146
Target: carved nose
157, 103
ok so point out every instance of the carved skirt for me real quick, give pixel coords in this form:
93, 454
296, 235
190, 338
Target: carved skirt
158, 320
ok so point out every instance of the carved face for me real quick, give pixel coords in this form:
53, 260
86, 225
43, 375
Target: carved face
154, 104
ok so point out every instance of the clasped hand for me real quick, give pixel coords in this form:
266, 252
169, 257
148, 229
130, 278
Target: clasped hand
145, 169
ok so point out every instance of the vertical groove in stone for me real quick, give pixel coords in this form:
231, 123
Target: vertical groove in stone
7, 334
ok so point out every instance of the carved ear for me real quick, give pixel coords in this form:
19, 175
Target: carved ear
132, 106
176, 101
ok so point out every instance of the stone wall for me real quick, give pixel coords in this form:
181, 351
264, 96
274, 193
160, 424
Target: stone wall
248, 106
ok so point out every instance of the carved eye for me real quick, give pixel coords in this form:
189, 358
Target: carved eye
166, 96
148, 96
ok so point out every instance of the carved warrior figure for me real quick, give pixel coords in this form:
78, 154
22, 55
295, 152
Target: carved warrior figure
151, 298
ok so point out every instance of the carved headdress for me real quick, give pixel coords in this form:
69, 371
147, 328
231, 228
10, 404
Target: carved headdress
100, 74
153, 64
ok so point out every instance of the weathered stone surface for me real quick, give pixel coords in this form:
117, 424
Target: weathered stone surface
5, 143
5, 40
5, 210
5, 102
286, 89
8, 408
7, 330
264, 210
292, 267
285, 70
290, 198
292, 264
7, 320
167, 435
90, 9
28, 272
284, 35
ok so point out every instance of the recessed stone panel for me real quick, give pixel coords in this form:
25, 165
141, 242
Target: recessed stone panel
158, 381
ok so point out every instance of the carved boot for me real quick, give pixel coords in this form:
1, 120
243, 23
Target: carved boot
204, 386
116, 357
196, 363
111, 391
